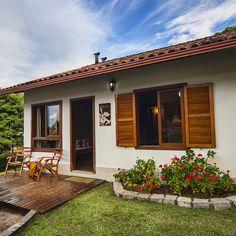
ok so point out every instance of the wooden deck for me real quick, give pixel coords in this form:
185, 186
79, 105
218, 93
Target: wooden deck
41, 196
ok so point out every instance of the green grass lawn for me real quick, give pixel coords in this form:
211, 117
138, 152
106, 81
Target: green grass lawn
99, 212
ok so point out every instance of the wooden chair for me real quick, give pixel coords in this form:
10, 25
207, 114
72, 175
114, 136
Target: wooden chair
48, 163
21, 157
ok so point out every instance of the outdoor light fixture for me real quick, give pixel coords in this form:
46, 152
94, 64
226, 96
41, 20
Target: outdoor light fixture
112, 85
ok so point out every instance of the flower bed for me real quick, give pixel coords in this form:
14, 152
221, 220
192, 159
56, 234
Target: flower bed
214, 203
190, 175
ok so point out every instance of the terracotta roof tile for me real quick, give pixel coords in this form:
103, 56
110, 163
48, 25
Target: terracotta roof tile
149, 57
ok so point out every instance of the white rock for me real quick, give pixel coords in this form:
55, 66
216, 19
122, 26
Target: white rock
232, 199
184, 201
201, 203
118, 189
129, 194
220, 203
143, 196
119, 193
157, 198
117, 185
170, 199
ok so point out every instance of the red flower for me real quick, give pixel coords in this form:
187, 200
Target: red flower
199, 177
140, 188
165, 166
191, 175
154, 186
148, 177
160, 166
189, 179
197, 168
163, 177
205, 173
183, 165
148, 184
175, 158
199, 155
213, 177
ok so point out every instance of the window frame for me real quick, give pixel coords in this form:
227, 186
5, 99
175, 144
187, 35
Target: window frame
161, 146
47, 137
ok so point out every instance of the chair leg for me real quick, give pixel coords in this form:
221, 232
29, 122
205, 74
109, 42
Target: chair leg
21, 169
6, 169
57, 169
50, 170
39, 174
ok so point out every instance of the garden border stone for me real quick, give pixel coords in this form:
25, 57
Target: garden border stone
220, 203
184, 201
144, 196
201, 203
214, 203
157, 198
232, 200
129, 195
171, 199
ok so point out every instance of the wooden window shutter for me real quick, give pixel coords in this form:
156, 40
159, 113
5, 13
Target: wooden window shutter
125, 120
199, 116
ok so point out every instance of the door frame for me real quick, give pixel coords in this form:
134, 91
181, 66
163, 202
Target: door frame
72, 167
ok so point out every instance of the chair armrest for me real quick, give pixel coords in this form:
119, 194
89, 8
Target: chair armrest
10, 157
41, 158
46, 159
52, 159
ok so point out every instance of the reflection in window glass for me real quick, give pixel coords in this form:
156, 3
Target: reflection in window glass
53, 119
46, 144
148, 118
171, 119
38, 117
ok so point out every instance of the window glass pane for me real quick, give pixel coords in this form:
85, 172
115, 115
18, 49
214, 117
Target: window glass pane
53, 119
38, 121
171, 119
46, 143
148, 118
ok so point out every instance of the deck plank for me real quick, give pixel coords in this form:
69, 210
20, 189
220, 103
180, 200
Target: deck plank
42, 196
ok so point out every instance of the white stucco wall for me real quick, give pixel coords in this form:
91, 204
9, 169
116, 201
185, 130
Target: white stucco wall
219, 68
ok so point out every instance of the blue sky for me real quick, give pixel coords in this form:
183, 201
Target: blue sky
39, 38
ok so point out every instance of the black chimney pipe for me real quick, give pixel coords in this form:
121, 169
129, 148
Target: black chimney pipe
96, 57
103, 59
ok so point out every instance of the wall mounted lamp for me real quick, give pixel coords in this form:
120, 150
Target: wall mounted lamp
112, 85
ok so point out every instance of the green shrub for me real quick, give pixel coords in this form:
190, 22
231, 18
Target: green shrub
142, 177
190, 173
3, 161
193, 173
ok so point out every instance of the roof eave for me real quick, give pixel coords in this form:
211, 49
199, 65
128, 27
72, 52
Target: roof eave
216, 46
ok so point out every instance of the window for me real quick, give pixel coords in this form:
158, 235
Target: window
159, 119
171, 116
46, 126
167, 117
148, 118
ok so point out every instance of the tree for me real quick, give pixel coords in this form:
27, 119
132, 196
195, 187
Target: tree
11, 120
230, 28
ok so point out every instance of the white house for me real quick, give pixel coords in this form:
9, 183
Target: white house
164, 101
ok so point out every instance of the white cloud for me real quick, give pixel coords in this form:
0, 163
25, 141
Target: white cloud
38, 38
200, 21
124, 49
163, 10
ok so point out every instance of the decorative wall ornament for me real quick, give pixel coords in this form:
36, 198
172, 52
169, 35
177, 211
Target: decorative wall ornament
105, 114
